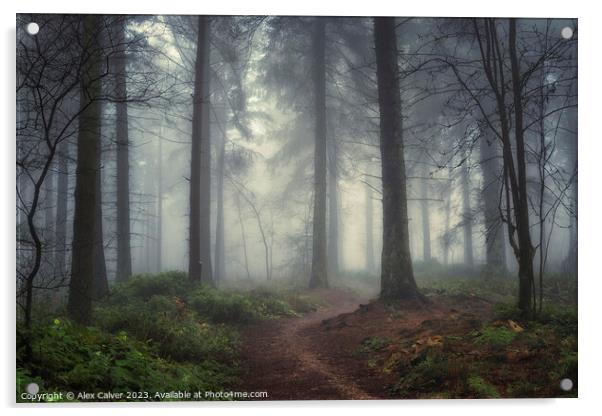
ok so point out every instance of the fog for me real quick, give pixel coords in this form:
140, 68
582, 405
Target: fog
261, 140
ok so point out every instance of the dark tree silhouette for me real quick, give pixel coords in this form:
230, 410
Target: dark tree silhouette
397, 275
199, 250
84, 219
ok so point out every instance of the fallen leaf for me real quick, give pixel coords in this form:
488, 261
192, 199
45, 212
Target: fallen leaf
434, 341
514, 326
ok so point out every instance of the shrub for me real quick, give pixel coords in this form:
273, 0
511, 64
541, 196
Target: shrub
235, 308
75, 358
176, 331
145, 286
153, 333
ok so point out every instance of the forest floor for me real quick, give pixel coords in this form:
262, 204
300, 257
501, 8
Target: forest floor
458, 346
158, 333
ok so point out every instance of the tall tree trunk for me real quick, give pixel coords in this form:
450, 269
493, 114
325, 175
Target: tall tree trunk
467, 215
515, 181
220, 263
319, 265
62, 198
333, 203
495, 249
521, 207
243, 235
370, 267
100, 286
424, 211
49, 237
206, 243
124, 253
572, 256
49, 204
79, 305
397, 275
199, 267
159, 242
446, 237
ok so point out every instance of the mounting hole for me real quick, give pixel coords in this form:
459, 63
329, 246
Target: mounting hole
566, 32
32, 28
32, 388
566, 384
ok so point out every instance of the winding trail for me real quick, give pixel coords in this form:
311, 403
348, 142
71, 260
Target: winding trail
289, 358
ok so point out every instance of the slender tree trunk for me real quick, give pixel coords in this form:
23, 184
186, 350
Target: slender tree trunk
84, 228
62, 198
48, 268
495, 249
333, 204
264, 237
521, 207
572, 256
148, 228
49, 205
467, 216
199, 267
397, 275
159, 242
205, 220
319, 266
243, 236
220, 263
542, 161
426, 221
124, 254
446, 238
370, 267
100, 284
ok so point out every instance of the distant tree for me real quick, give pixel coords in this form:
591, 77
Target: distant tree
467, 216
62, 200
319, 265
370, 266
333, 201
491, 191
124, 254
220, 249
425, 214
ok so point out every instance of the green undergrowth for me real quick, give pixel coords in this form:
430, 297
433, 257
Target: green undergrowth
558, 289
491, 362
153, 333
485, 348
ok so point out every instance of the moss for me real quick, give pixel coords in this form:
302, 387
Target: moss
497, 337
480, 388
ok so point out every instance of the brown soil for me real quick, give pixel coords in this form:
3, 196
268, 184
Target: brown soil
315, 357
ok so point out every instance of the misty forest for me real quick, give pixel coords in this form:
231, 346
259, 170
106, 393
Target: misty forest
267, 207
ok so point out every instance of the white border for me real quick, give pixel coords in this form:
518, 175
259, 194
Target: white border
590, 202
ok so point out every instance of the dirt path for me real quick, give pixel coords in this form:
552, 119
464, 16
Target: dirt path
288, 358
318, 356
